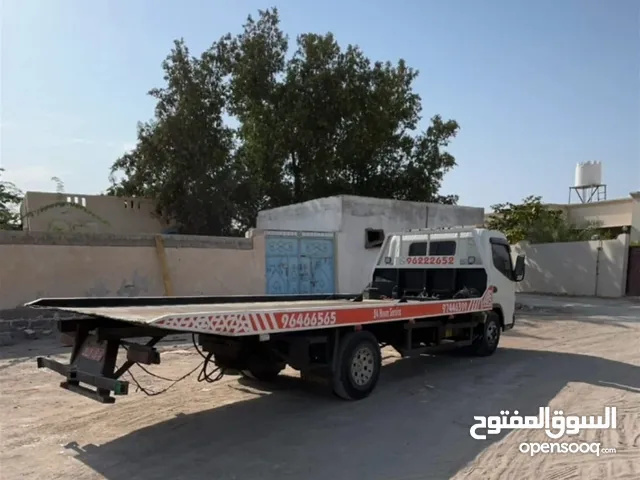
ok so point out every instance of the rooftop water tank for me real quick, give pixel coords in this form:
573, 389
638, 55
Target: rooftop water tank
588, 174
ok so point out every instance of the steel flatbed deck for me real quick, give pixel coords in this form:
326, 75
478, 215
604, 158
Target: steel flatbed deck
241, 316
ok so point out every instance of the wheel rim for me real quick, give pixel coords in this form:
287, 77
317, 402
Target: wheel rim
362, 366
492, 333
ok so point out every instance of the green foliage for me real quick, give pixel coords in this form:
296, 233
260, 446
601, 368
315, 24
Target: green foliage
325, 121
537, 223
10, 198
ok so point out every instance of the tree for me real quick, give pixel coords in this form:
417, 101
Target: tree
182, 158
323, 122
10, 199
537, 223
329, 121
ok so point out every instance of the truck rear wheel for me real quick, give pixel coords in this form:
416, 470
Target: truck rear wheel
358, 366
487, 340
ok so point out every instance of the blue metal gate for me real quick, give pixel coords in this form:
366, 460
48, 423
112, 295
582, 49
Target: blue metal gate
299, 263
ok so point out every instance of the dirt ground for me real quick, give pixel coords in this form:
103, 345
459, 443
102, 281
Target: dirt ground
578, 356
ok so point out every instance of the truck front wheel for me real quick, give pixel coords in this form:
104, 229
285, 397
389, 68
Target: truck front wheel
358, 366
486, 342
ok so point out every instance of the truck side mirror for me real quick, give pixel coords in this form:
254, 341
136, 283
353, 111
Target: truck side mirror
519, 268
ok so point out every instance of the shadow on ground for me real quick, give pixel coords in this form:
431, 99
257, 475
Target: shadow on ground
26, 352
414, 426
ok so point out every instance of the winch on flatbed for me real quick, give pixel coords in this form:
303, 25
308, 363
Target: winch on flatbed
430, 290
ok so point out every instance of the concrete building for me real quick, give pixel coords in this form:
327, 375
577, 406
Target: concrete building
612, 214
117, 215
307, 242
622, 214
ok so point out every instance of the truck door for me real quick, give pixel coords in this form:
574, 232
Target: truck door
502, 278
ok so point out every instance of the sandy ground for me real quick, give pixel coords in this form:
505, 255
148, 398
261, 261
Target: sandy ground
578, 356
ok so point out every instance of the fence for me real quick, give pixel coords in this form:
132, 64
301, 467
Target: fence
74, 265
592, 268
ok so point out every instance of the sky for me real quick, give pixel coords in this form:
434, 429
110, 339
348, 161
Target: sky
536, 86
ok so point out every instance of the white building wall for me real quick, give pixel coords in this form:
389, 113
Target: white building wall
355, 262
320, 215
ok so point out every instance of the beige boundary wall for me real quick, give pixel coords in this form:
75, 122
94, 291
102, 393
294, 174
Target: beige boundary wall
34, 265
593, 268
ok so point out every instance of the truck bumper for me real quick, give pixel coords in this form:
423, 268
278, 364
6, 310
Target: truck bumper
74, 377
92, 370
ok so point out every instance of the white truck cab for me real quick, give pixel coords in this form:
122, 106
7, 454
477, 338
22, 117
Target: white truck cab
448, 263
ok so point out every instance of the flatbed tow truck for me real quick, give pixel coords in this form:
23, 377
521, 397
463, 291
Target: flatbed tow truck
430, 290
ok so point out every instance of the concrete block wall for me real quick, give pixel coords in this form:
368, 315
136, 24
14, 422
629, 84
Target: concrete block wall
35, 265
593, 268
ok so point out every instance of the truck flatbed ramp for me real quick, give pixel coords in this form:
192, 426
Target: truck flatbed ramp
241, 318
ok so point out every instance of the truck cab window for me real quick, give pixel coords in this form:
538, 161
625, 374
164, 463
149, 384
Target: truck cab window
418, 249
502, 259
437, 248
442, 248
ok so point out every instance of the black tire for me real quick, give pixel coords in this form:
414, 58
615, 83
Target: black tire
358, 366
487, 342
